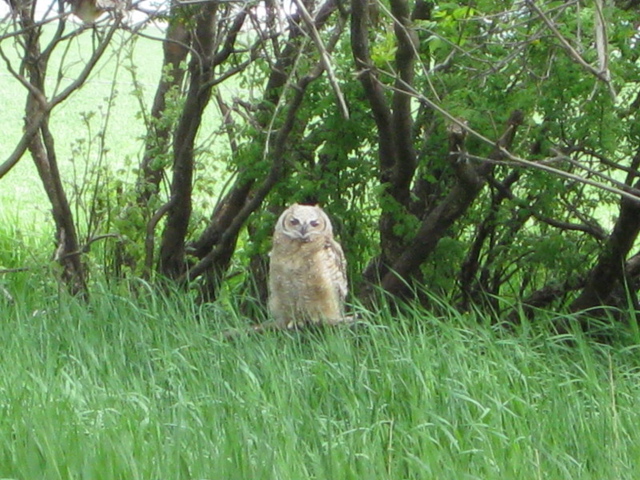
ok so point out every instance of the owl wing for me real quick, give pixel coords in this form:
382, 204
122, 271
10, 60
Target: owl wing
338, 266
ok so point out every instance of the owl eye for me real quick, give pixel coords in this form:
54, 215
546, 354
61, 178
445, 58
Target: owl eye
314, 223
294, 222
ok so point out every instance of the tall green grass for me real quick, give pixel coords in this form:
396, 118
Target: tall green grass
145, 388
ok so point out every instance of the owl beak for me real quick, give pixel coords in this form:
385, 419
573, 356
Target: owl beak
303, 233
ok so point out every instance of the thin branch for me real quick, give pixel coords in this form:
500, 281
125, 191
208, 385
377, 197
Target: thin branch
88, 68
602, 75
229, 44
593, 230
593, 172
601, 40
39, 95
23, 144
87, 246
241, 67
4, 271
36, 123
324, 56
631, 171
21, 31
543, 165
168, 41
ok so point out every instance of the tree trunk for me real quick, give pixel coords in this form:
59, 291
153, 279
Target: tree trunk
471, 180
172, 249
42, 149
396, 155
609, 269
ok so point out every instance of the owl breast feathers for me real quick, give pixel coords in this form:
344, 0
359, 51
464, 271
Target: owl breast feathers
307, 269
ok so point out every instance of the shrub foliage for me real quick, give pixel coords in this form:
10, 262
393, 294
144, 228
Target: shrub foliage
483, 150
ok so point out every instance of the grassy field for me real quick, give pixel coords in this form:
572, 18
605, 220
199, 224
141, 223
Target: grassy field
142, 387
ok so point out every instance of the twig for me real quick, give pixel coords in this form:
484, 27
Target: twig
14, 270
594, 230
601, 40
324, 56
87, 246
88, 68
602, 75
46, 107
543, 165
595, 173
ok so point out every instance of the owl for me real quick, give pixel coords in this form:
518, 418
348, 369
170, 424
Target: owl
307, 269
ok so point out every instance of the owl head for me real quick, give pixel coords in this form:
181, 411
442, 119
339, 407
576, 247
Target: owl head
304, 223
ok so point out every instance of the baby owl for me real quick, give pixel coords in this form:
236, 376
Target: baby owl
307, 269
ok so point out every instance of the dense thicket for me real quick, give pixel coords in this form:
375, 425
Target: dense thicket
482, 150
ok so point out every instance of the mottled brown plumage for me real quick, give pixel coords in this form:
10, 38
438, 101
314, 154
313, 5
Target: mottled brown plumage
90, 10
307, 271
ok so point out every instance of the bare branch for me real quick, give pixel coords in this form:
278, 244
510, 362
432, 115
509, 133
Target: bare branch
325, 57
43, 112
87, 246
23, 144
88, 68
5, 271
